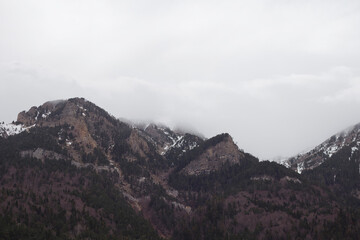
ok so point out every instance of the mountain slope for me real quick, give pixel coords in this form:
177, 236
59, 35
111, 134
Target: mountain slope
54, 199
334, 164
77, 172
315, 157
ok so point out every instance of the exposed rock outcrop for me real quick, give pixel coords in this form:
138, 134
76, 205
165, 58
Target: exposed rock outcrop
214, 157
41, 154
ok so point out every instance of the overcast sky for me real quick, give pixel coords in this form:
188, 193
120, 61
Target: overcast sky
279, 76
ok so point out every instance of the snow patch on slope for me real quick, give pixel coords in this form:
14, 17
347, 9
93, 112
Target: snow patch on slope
175, 143
300, 167
45, 115
353, 150
9, 129
331, 150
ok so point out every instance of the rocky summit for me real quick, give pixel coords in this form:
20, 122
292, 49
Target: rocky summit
70, 170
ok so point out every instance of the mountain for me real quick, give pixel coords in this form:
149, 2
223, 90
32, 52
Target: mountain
349, 138
73, 171
335, 163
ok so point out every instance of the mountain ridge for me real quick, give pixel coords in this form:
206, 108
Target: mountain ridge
100, 177
322, 152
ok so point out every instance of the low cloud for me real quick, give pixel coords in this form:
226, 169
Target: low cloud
278, 76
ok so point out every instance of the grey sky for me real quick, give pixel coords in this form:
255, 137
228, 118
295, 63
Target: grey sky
279, 76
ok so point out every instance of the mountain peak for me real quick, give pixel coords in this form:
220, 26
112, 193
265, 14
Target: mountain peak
218, 151
87, 123
59, 112
350, 137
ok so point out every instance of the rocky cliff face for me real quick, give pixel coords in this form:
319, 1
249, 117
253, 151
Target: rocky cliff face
214, 157
73, 113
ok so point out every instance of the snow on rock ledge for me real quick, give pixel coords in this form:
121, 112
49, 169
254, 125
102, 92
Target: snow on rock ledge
9, 129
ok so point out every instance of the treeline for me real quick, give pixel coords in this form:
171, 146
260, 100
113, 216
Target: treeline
231, 178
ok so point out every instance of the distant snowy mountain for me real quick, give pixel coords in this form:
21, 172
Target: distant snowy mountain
350, 137
167, 141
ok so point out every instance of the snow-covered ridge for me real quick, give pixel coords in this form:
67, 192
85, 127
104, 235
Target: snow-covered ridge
315, 157
179, 142
165, 139
338, 141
